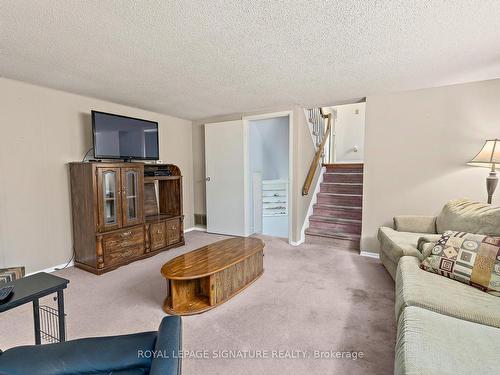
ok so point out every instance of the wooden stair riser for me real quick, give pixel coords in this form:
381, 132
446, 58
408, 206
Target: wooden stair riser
345, 167
344, 170
354, 228
341, 213
340, 200
341, 189
343, 177
339, 243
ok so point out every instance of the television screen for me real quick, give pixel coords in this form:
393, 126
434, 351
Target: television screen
121, 137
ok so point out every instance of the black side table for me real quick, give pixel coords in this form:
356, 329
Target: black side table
31, 289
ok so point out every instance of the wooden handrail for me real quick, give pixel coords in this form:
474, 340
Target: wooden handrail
317, 156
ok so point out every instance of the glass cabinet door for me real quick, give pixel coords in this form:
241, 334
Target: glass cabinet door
131, 179
131, 195
109, 196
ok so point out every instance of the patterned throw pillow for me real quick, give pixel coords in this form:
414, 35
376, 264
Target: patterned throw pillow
472, 259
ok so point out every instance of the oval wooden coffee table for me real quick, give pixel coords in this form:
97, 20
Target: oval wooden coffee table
206, 277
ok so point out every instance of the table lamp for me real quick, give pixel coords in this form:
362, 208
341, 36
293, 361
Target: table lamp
488, 157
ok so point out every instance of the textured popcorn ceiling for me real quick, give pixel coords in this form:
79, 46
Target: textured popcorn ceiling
196, 59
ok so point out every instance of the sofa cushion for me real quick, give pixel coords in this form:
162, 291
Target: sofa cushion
414, 223
415, 287
397, 244
464, 215
472, 259
429, 343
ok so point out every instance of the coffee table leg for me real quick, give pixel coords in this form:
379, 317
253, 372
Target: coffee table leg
36, 320
60, 312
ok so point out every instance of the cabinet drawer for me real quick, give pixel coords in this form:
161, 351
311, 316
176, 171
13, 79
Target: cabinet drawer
173, 231
126, 254
117, 241
158, 236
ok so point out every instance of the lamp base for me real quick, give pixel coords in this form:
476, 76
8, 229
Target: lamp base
491, 184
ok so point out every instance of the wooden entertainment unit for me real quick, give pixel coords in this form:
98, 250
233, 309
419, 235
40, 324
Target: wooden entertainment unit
123, 212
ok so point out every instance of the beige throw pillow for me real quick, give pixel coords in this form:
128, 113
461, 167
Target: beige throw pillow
472, 259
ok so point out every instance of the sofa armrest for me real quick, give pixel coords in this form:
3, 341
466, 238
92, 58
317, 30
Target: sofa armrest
168, 347
415, 224
83, 356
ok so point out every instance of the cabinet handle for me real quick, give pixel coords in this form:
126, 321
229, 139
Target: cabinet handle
127, 253
125, 234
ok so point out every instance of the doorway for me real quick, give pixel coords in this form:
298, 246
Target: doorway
269, 177
248, 166
346, 144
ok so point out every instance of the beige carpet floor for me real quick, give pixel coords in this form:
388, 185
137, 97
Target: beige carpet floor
310, 298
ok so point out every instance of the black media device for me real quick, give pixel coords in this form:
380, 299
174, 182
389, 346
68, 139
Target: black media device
125, 138
157, 172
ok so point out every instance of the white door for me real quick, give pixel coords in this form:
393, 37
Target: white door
225, 162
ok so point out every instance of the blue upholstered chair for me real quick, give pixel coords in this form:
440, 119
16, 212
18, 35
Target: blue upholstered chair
153, 353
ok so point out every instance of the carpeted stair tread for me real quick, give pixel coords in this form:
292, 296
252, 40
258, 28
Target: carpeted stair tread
343, 183
330, 234
341, 187
344, 212
341, 194
343, 177
337, 207
344, 173
334, 219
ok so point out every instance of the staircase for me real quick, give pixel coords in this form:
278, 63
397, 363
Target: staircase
336, 218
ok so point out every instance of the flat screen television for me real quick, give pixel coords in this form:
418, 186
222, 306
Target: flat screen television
122, 137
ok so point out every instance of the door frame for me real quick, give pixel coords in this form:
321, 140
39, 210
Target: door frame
291, 187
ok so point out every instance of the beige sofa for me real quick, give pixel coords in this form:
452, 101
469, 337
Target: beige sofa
414, 235
444, 327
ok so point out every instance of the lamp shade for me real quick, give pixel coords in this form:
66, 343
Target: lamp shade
489, 154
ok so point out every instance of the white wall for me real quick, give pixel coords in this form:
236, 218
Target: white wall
43, 130
349, 132
268, 147
416, 149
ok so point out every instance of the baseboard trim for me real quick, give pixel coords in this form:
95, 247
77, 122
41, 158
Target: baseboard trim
369, 254
296, 243
52, 269
201, 229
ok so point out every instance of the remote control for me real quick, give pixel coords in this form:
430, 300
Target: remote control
5, 291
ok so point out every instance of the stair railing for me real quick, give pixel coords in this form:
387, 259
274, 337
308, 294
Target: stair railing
318, 120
